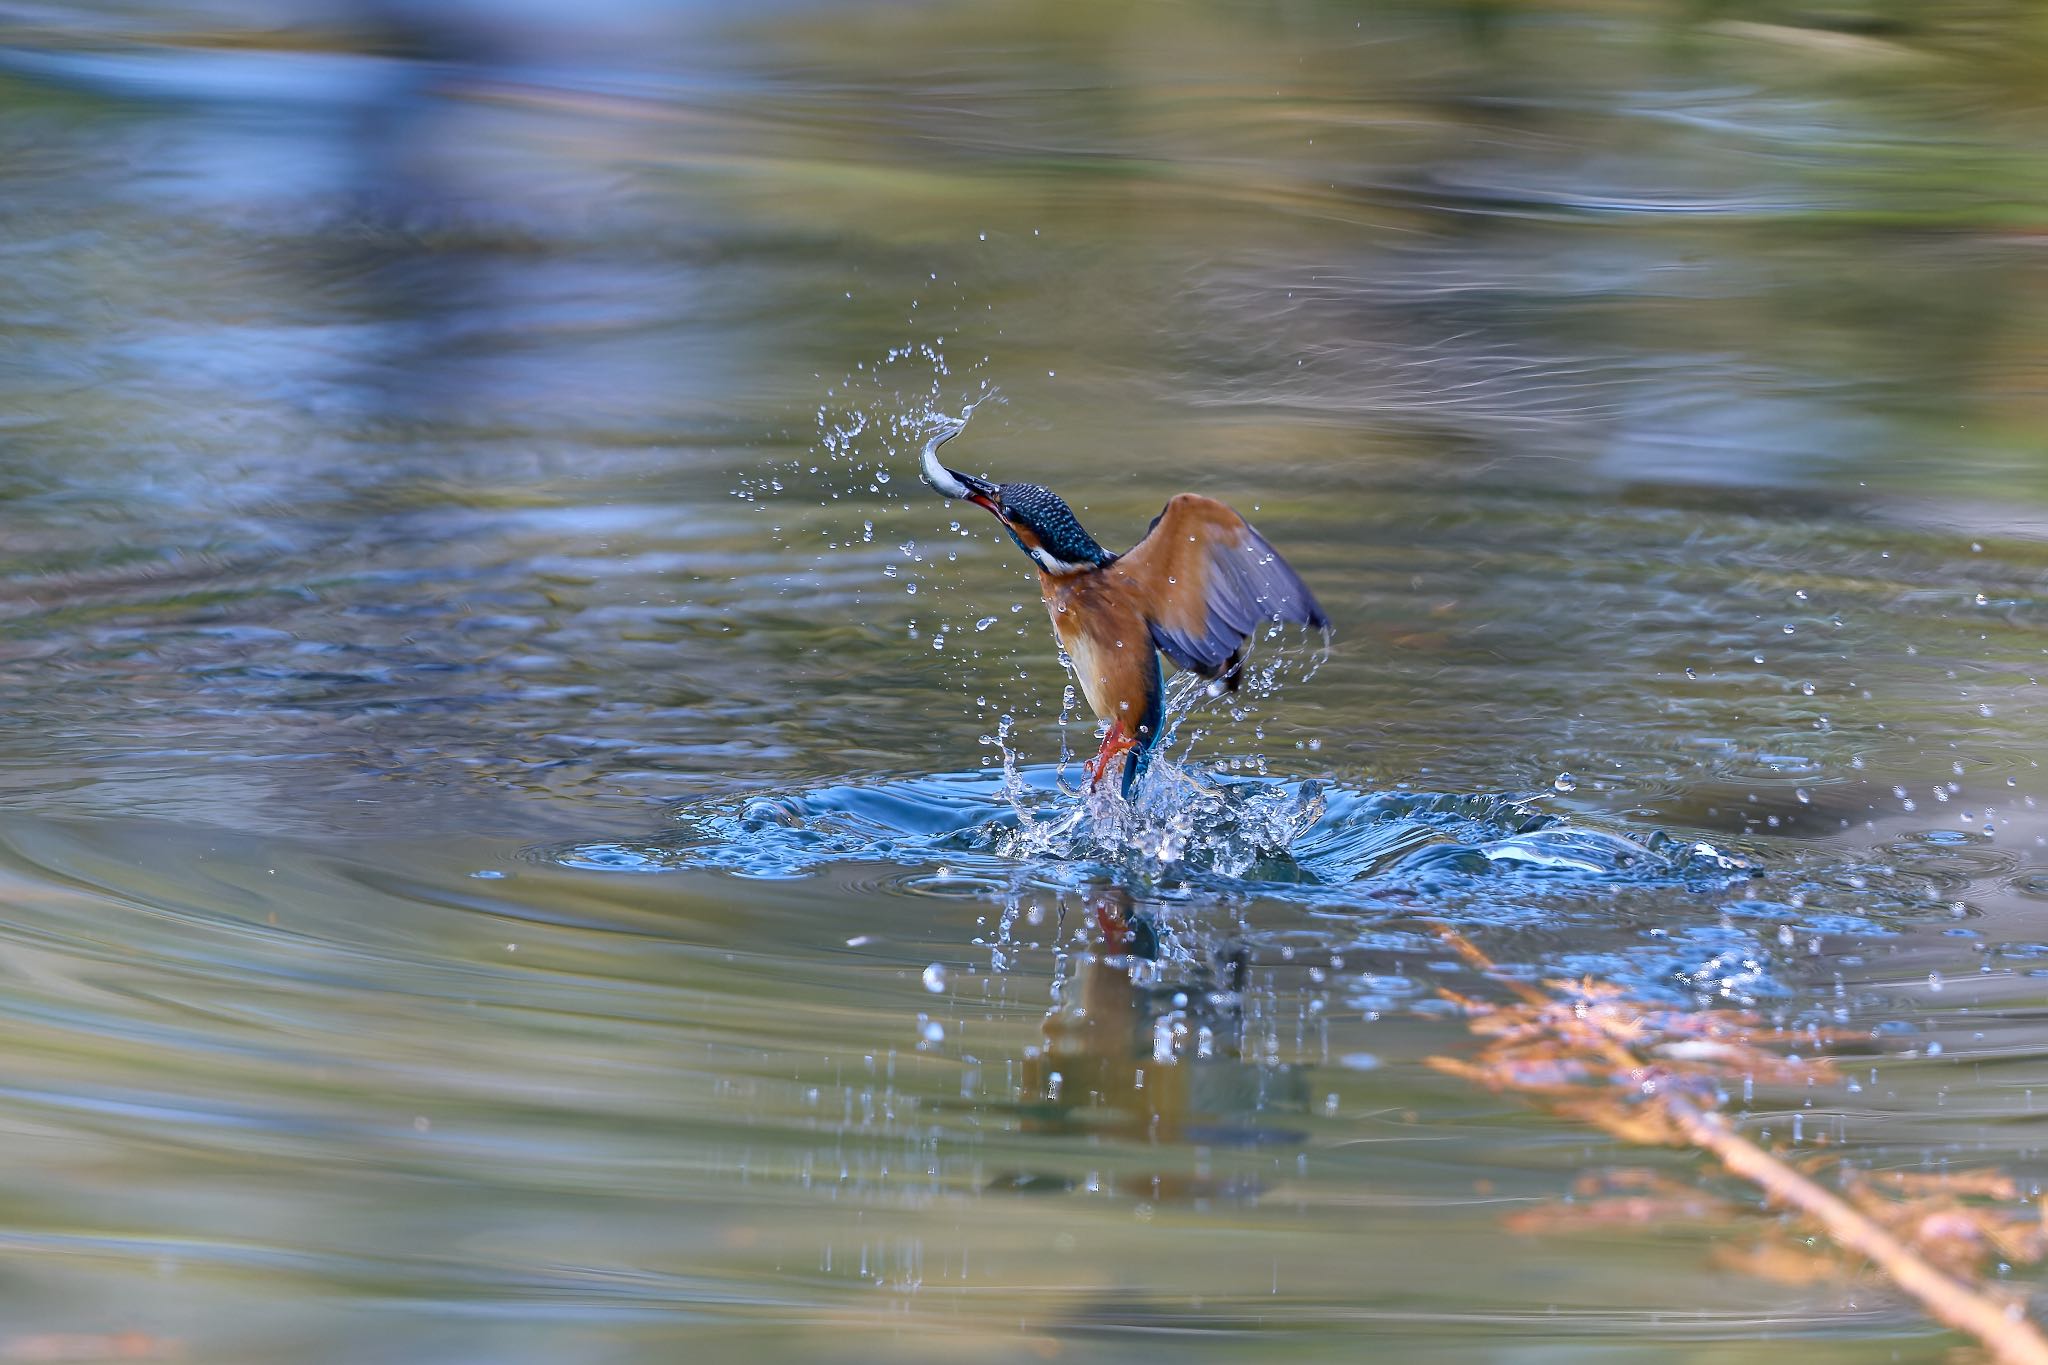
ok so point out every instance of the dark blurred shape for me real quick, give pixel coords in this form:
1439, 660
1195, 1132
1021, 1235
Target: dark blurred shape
1147, 1042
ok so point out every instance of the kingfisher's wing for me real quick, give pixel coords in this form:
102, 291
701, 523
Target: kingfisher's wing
1206, 581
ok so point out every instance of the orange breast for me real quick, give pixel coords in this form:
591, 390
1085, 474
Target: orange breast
1107, 641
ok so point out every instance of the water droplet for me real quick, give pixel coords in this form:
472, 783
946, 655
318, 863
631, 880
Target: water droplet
935, 978
984, 623
1565, 782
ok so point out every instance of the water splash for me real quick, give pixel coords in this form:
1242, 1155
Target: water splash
867, 426
1186, 827
1180, 822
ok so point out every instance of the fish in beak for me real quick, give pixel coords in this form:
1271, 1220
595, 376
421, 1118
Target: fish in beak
951, 482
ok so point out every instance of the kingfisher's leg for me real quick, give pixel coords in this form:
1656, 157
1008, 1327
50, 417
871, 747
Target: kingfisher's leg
1115, 744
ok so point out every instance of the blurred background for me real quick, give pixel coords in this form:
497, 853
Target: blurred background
381, 375
456, 458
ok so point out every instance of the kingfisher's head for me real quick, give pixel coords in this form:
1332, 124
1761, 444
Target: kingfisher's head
1037, 518
1043, 526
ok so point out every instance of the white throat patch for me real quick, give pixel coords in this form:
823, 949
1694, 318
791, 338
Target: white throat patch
1054, 565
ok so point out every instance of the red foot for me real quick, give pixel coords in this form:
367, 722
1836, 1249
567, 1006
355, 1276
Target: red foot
1114, 925
1115, 745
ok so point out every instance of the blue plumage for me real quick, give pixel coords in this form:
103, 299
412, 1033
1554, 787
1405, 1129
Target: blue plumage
1248, 584
1048, 515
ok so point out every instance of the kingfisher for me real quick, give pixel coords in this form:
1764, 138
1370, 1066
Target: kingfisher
1194, 588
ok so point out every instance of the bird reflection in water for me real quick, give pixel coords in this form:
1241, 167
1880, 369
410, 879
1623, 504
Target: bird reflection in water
1146, 1042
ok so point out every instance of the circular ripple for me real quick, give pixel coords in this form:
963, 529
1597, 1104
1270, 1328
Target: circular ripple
949, 884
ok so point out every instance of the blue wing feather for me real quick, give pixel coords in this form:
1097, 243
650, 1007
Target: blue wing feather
1247, 584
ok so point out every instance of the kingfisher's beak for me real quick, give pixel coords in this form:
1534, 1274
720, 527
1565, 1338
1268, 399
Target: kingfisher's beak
980, 491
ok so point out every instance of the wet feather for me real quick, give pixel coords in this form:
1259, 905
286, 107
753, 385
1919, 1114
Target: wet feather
1208, 582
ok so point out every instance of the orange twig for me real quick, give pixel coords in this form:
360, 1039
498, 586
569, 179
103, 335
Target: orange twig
1560, 1041
2008, 1335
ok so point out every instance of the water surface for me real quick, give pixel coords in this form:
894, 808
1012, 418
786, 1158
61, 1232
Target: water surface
507, 840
